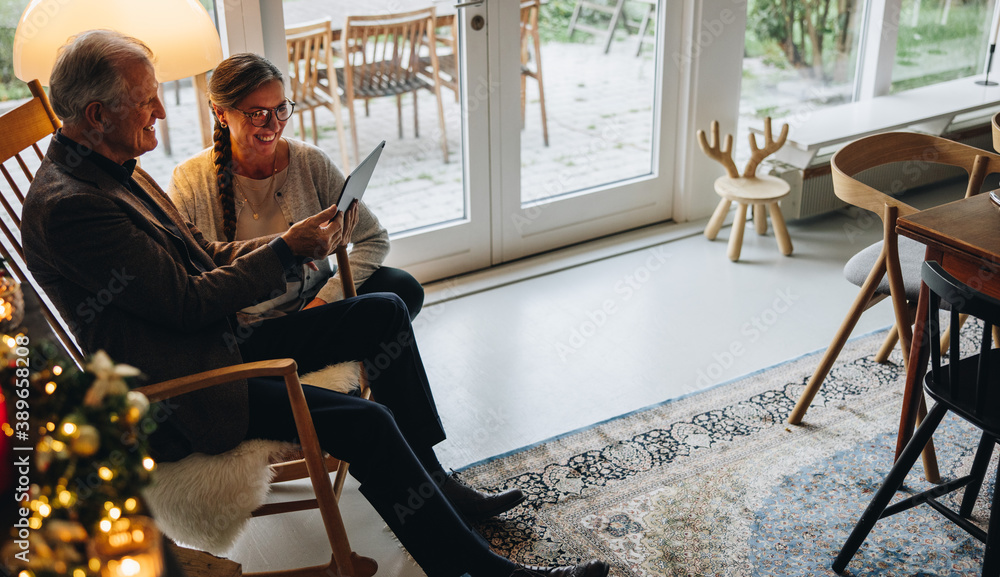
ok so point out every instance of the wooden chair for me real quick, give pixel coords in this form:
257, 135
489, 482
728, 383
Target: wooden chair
616, 13
996, 131
760, 191
382, 58
891, 267
531, 50
310, 58
447, 60
647, 19
35, 121
966, 387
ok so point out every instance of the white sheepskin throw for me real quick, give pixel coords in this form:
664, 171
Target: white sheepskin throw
204, 501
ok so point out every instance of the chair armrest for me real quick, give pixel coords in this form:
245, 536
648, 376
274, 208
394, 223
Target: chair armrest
198, 381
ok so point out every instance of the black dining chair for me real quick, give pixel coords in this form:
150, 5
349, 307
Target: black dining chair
966, 387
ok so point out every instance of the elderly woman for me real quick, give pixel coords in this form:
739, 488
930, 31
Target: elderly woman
253, 183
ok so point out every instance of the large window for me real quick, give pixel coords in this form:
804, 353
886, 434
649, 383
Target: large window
800, 55
940, 40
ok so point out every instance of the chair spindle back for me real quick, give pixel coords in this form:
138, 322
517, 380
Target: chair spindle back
979, 396
384, 51
23, 128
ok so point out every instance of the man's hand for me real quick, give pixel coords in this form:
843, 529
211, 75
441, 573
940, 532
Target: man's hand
316, 236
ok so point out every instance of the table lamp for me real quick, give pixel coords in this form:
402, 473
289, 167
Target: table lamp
180, 33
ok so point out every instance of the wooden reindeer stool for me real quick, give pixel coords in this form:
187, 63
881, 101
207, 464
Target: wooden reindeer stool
749, 189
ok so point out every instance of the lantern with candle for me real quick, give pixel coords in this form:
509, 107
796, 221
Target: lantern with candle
130, 548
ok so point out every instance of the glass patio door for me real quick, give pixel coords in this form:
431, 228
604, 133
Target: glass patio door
585, 151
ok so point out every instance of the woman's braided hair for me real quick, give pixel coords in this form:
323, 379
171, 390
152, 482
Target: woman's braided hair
234, 79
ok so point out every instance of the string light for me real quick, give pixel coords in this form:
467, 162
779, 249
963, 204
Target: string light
148, 463
57, 370
68, 428
105, 473
130, 567
105, 525
50, 387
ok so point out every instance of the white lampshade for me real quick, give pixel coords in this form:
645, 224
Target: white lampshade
179, 32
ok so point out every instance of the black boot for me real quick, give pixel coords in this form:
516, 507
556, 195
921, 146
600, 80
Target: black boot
592, 568
476, 505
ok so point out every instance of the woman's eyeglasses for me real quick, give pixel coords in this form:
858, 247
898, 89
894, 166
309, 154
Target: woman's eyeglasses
262, 116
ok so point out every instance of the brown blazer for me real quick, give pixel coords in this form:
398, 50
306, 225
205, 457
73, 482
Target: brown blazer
126, 284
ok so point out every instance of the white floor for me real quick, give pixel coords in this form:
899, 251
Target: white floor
531, 359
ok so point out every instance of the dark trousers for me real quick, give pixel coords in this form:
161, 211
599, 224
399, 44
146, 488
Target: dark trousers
386, 279
381, 440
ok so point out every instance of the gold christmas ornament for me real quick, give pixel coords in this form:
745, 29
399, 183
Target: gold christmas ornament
86, 442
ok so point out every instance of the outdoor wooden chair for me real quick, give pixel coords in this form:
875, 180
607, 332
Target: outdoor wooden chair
447, 59
890, 267
648, 18
531, 50
615, 10
33, 122
310, 58
382, 58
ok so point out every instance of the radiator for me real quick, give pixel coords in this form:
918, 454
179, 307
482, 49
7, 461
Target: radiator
812, 188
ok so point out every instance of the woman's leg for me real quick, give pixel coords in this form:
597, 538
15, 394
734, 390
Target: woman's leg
370, 328
400, 282
393, 480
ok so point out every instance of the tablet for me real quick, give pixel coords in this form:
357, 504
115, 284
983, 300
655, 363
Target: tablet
357, 181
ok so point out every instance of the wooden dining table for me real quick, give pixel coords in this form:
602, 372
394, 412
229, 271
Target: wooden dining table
964, 237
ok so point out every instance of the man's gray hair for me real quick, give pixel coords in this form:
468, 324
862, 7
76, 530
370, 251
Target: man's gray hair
89, 69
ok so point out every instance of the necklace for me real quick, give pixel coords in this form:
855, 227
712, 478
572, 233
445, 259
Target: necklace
268, 194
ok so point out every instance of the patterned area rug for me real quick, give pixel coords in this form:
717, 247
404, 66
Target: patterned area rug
718, 483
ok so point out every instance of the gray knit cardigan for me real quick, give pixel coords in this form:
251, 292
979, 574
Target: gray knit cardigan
312, 184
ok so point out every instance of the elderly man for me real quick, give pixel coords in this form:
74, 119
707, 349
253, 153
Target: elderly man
94, 222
